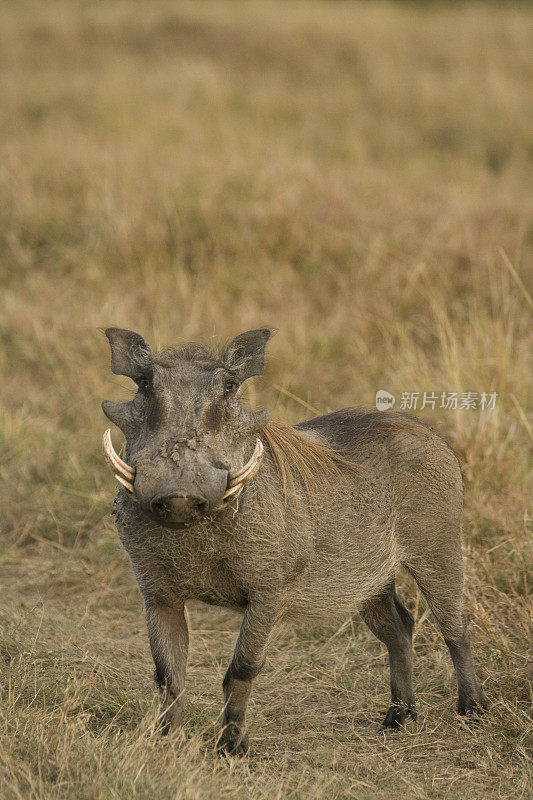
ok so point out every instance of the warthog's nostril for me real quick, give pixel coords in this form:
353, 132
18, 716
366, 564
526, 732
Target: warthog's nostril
176, 506
159, 506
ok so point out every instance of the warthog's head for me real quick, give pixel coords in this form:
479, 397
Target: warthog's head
187, 434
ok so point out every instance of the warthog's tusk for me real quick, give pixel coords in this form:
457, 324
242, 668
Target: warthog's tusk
237, 480
233, 492
122, 471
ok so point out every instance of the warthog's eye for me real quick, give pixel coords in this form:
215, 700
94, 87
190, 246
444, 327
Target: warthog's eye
143, 382
230, 386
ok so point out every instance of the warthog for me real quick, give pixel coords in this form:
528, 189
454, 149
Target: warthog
218, 504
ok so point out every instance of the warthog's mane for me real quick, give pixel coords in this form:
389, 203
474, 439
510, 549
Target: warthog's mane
298, 456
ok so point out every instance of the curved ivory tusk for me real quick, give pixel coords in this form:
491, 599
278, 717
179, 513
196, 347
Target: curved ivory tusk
233, 492
124, 482
116, 462
122, 471
257, 455
237, 480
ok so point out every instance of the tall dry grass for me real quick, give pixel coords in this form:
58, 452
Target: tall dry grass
356, 176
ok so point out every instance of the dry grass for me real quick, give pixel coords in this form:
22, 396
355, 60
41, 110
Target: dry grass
355, 175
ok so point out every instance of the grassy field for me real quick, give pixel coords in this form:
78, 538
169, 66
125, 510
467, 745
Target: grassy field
356, 175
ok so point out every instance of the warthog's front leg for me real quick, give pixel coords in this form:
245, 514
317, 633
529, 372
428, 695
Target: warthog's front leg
169, 642
246, 664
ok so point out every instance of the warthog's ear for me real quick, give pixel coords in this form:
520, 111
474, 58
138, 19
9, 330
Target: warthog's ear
245, 355
130, 354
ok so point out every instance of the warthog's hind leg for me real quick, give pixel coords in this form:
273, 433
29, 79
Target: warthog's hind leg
392, 623
442, 585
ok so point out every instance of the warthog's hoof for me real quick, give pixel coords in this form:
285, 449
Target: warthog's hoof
395, 718
232, 741
472, 709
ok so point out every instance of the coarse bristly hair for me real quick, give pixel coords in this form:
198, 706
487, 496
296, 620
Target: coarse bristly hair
295, 454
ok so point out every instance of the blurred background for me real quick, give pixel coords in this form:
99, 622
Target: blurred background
356, 175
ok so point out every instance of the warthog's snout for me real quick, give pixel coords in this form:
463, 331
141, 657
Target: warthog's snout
177, 497
162, 494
